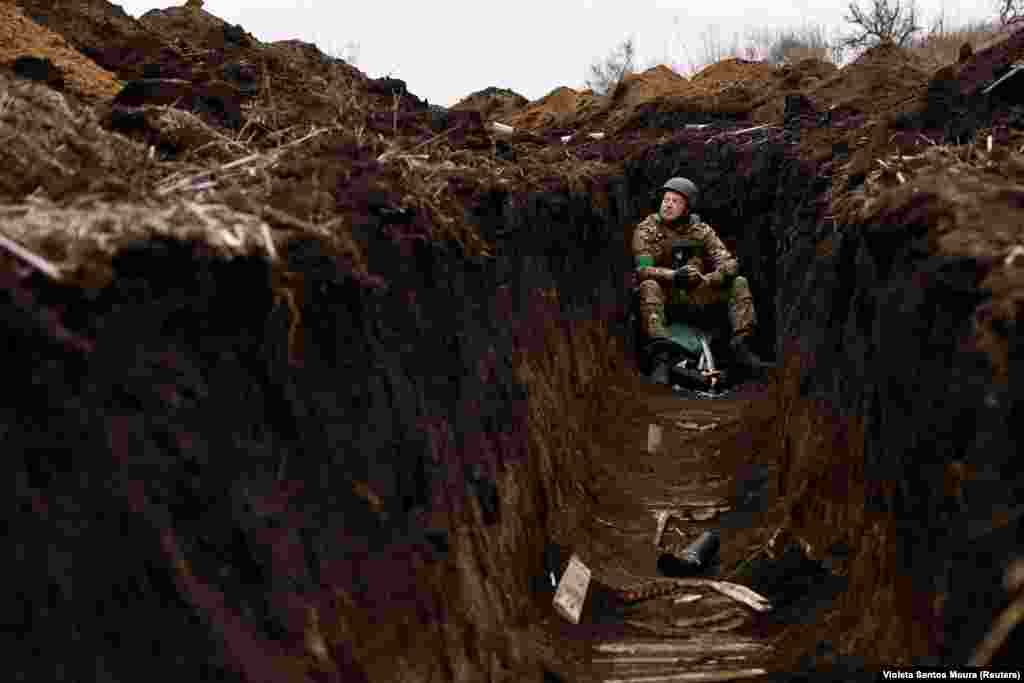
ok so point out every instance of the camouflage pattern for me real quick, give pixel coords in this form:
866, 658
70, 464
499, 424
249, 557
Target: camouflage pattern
652, 242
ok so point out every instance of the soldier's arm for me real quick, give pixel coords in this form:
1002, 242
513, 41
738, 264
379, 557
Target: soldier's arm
725, 263
644, 259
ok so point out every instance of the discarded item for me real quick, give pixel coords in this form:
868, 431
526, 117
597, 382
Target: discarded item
1013, 581
697, 645
40, 263
572, 590
1009, 74
654, 438
693, 559
502, 129
1011, 257
697, 126
596, 136
998, 633
674, 505
662, 517
566, 139
704, 514
688, 425
695, 677
688, 598
754, 601
554, 584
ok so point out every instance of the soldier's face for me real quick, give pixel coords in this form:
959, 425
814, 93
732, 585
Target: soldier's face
673, 205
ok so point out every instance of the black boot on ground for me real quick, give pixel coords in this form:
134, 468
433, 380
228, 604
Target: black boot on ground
748, 361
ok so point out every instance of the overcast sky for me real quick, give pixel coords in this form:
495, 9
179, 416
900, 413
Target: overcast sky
447, 50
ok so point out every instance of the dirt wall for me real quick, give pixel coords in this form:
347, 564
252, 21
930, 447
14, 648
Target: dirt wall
894, 323
896, 413
359, 488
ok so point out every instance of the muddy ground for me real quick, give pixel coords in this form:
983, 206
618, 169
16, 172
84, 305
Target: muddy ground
314, 381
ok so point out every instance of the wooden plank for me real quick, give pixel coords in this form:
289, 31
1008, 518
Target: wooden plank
694, 676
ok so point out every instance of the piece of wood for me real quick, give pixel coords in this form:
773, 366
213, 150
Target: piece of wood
706, 646
40, 263
502, 129
572, 590
754, 601
662, 518
654, 433
998, 633
694, 676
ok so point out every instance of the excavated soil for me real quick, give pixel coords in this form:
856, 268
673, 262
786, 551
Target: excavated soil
21, 37
331, 382
494, 104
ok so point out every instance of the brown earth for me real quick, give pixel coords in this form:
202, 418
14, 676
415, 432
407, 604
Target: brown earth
360, 503
20, 36
554, 110
494, 104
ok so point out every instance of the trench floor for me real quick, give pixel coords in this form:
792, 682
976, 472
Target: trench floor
702, 476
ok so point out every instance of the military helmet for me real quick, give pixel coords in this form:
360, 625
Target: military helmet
683, 186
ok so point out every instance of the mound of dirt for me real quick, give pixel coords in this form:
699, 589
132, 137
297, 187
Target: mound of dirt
556, 109
881, 81
493, 103
105, 33
20, 36
282, 84
188, 26
58, 147
638, 88
983, 91
732, 70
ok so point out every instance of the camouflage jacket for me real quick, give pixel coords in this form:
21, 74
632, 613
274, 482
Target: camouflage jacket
653, 240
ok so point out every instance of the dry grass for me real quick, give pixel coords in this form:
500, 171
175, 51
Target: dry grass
937, 47
941, 45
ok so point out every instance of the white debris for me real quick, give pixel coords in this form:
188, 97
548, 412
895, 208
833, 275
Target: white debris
572, 590
654, 433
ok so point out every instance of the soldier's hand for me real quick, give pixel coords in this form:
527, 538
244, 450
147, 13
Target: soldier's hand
688, 277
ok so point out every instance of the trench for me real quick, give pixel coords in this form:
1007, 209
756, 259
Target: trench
373, 478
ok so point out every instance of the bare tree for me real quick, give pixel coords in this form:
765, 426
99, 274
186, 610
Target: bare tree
886, 21
605, 75
1010, 11
790, 44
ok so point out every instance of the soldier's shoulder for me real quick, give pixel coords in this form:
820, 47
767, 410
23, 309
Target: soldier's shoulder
699, 226
648, 225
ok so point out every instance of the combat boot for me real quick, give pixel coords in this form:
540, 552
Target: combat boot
652, 321
748, 360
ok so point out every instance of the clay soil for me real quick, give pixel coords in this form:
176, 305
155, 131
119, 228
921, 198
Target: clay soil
341, 149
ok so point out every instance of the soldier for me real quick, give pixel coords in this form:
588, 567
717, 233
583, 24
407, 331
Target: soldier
690, 285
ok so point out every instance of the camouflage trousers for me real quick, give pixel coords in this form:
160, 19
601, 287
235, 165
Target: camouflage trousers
734, 294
